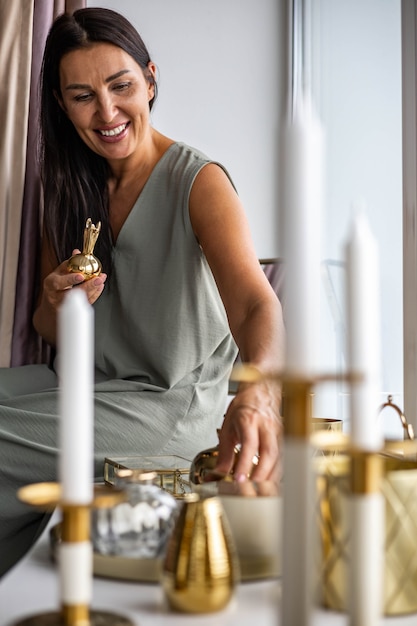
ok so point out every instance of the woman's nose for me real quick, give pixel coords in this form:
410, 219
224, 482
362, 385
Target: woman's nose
106, 108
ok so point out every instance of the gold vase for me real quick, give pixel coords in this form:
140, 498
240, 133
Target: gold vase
200, 570
86, 263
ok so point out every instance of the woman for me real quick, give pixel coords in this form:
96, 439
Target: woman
181, 287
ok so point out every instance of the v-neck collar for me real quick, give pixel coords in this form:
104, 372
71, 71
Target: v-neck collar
135, 205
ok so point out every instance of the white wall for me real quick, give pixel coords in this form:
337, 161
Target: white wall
219, 87
221, 71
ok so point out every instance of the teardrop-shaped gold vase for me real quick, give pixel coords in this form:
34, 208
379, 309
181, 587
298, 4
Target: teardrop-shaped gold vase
200, 570
85, 262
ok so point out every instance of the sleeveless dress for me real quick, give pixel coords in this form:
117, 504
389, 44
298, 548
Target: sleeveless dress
163, 355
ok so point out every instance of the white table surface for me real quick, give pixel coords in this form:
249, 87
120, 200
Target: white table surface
31, 588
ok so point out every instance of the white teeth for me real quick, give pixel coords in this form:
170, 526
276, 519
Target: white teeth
113, 131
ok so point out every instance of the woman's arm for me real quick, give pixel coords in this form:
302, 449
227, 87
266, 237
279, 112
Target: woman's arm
255, 319
55, 283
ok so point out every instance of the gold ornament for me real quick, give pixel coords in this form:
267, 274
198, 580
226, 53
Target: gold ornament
86, 263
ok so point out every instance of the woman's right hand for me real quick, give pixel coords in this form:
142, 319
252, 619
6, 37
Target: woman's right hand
55, 286
58, 282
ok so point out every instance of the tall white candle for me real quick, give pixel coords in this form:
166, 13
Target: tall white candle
300, 231
363, 333
300, 235
364, 357
75, 340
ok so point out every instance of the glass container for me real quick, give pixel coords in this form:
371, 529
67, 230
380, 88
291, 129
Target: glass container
138, 527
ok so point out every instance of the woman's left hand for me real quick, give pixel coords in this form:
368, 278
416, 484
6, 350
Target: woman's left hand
252, 420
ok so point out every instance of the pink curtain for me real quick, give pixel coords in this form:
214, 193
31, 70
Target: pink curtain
27, 346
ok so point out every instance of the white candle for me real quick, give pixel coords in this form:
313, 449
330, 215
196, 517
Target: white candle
367, 513
300, 236
367, 509
75, 342
300, 211
363, 333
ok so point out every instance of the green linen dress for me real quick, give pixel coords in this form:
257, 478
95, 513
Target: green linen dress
163, 355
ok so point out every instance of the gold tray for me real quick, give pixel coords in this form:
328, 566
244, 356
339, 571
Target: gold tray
252, 567
122, 568
149, 570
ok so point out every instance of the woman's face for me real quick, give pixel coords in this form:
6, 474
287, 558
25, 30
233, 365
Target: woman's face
106, 96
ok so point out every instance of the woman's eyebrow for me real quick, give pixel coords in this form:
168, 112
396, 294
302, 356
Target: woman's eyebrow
117, 75
107, 80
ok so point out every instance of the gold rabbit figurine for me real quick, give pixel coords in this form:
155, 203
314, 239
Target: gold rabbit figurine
86, 263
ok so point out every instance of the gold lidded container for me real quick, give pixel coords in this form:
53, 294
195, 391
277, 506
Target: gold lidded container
86, 263
399, 490
203, 466
200, 570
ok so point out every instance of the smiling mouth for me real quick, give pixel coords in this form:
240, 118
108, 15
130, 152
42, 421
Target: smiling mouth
114, 132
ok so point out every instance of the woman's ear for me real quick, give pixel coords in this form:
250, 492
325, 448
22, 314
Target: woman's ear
151, 78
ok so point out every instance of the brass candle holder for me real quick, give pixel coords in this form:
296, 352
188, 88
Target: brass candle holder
86, 263
76, 522
297, 587
299, 489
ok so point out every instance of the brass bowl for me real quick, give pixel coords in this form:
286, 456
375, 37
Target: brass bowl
254, 512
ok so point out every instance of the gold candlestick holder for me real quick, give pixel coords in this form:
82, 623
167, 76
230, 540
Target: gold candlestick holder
299, 484
76, 524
